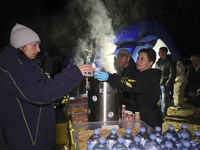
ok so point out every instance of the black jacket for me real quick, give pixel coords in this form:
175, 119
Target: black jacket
168, 68
146, 89
128, 71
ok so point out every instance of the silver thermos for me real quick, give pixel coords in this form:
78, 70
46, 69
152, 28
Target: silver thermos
103, 101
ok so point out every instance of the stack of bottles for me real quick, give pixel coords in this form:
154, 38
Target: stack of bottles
170, 139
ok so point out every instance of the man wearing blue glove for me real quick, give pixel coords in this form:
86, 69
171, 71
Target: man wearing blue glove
145, 86
127, 68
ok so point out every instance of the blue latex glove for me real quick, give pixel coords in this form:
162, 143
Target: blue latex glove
101, 76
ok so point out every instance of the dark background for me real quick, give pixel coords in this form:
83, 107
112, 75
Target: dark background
60, 23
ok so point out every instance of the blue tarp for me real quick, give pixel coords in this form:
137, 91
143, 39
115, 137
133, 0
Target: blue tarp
144, 34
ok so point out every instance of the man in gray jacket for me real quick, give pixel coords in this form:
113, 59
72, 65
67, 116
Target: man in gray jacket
168, 67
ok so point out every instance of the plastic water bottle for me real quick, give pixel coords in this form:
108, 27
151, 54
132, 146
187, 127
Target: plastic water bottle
119, 145
111, 139
135, 145
171, 130
185, 130
168, 138
128, 137
152, 143
196, 147
94, 139
187, 145
179, 144
101, 145
143, 135
168, 146
158, 133
184, 137
195, 139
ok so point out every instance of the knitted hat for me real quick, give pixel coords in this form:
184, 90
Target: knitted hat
22, 35
124, 52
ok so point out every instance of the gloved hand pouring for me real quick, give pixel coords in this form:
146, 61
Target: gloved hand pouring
101, 76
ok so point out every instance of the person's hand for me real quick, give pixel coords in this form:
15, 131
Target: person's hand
85, 69
198, 91
101, 76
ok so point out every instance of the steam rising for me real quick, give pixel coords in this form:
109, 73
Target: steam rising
101, 33
91, 24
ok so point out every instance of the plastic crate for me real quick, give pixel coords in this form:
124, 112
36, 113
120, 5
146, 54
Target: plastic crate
88, 127
79, 113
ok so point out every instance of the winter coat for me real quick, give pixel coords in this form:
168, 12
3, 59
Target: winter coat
27, 116
128, 71
146, 89
168, 68
181, 74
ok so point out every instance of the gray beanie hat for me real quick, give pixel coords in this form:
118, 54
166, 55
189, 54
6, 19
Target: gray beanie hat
22, 35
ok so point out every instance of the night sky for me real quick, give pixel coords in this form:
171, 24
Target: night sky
61, 23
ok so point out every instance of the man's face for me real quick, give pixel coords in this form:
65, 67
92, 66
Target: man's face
31, 50
161, 53
123, 61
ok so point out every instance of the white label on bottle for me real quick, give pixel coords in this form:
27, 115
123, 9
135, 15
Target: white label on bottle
94, 98
110, 114
143, 141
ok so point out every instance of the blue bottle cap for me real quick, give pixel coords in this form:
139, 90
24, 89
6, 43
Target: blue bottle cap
153, 137
128, 131
114, 131
158, 129
171, 127
142, 129
197, 133
168, 144
102, 140
186, 144
169, 136
120, 140
184, 126
96, 131
137, 139
183, 135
